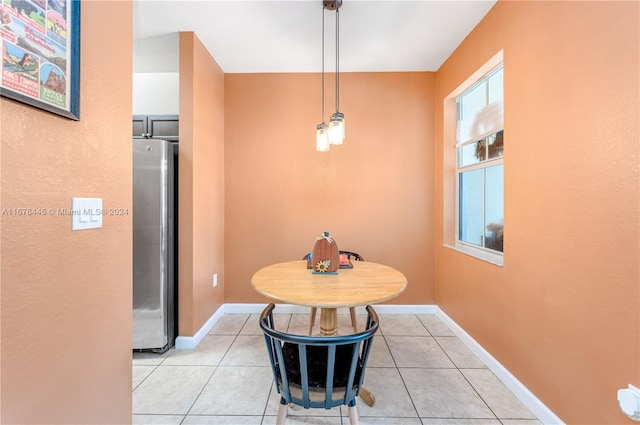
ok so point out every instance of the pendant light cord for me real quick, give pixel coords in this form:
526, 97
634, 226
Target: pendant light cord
322, 117
337, 59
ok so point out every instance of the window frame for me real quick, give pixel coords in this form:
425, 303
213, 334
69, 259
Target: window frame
481, 252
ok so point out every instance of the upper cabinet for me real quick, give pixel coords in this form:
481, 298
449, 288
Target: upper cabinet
155, 127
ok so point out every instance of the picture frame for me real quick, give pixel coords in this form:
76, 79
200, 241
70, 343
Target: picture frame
40, 49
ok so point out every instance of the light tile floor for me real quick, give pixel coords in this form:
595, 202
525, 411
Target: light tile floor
418, 370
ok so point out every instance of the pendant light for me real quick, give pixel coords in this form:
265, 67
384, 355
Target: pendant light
322, 129
336, 122
334, 132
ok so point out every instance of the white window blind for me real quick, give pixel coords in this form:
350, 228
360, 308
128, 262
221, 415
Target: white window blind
481, 110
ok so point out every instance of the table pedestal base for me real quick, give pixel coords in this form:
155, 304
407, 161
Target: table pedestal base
328, 321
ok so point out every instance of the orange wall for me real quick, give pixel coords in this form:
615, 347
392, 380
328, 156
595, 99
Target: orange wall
374, 194
66, 295
201, 191
562, 314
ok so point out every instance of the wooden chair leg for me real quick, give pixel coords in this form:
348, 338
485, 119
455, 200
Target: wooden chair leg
312, 320
354, 417
352, 311
282, 413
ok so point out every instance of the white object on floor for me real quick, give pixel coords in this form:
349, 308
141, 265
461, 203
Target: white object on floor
629, 401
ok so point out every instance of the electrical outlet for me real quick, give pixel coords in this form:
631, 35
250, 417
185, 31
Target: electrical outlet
215, 280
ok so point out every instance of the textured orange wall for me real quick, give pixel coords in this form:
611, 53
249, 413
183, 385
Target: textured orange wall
562, 314
66, 295
201, 180
375, 193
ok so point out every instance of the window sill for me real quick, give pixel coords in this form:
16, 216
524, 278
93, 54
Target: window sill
480, 254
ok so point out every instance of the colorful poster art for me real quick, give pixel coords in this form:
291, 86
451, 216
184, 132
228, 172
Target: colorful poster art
27, 12
20, 69
39, 53
57, 27
53, 86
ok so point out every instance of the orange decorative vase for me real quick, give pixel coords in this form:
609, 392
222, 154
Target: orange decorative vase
325, 257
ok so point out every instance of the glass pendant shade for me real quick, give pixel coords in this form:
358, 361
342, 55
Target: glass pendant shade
322, 138
336, 128
334, 133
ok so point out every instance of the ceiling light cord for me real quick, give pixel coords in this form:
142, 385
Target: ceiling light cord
337, 60
332, 134
322, 74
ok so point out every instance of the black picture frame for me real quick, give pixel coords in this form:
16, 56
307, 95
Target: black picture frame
40, 51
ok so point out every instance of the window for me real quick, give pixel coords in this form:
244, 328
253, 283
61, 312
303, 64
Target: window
480, 164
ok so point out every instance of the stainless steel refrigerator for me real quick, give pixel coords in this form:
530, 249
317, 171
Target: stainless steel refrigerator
154, 244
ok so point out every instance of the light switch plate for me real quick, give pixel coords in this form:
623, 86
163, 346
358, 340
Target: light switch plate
86, 213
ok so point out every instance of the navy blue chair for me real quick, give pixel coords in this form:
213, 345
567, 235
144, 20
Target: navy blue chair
352, 311
316, 371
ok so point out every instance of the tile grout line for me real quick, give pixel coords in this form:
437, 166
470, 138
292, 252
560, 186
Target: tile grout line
155, 367
235, 337
402, 378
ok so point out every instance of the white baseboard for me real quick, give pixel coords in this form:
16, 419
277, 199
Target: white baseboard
544, 414
405, 309
290, 308
191, 342
257, 308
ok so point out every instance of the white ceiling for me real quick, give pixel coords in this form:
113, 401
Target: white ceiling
285, 36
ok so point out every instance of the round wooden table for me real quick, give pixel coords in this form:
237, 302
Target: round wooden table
366, 283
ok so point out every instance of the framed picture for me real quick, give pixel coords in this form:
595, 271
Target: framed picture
41, 54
